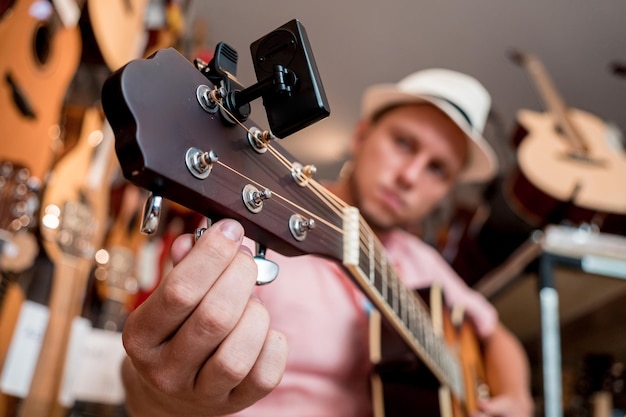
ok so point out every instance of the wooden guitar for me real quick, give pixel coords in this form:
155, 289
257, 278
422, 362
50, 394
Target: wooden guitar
116, 282
72, 226
116, 277
570, 166
38, 54
114, 31
166, 142
42, 56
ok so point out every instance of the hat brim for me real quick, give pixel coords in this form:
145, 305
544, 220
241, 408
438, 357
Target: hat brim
481, 164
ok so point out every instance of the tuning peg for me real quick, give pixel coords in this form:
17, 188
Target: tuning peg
299, 226
200, 230
302, 174
268, 270
151, 214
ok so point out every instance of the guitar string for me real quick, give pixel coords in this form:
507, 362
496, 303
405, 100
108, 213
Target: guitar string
321, 192
336, 205
331, 201
427, 337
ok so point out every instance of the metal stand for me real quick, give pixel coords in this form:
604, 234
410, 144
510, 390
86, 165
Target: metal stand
557, 246
550, 337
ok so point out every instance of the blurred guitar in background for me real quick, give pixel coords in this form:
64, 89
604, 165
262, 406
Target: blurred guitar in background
114, 31
41, 56
571, 164
73, 221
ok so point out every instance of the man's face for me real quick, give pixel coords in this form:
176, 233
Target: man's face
405, 164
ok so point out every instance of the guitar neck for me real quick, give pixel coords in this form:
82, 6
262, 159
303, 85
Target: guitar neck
366, 260
66, 300
555, 103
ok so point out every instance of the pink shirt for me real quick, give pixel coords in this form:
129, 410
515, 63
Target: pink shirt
324, 317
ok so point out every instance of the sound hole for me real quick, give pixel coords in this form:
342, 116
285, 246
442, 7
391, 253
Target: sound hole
42, 44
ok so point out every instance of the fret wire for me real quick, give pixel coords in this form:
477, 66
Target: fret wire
394, 295
372, 259
406, 306
403, 301
384, 277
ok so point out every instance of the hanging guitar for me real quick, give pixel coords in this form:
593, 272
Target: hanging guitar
113, 31
42, 55
571, 167
177, 137
39, 53
72, 225
115, 285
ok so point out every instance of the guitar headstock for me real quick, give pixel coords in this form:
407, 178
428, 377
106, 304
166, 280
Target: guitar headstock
169, 142
525, 59
519, 58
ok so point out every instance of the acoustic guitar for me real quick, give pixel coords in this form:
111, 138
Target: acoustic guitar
571, 165
167, 143
72, 225
114, 31
116, 277
43, 55
38, 54
116, 282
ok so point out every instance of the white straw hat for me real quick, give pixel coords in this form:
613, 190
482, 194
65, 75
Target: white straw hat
459, 96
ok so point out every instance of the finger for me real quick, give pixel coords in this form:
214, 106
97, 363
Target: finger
252, 358
181, 247
183, 288
219, 314
267, 371
496, 406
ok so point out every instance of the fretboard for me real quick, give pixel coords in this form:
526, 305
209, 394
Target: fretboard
367, 261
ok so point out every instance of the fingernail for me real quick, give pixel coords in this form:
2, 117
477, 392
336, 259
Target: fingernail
231, 230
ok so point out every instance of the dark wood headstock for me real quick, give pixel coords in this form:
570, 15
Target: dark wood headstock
156, 116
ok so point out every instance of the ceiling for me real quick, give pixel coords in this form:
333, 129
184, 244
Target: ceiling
360, 42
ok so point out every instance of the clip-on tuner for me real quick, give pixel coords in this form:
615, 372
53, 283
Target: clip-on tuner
288, 80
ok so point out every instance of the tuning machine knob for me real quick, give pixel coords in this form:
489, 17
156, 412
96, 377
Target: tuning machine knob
151, 214
267, 270
200, 230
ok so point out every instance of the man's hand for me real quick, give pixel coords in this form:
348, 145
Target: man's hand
200, 345
506, 406
508, 374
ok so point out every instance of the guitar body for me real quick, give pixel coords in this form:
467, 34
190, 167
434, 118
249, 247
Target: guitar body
37, 61
571, 166
402, 385
114, 31
73, 219
36, 67
552, 184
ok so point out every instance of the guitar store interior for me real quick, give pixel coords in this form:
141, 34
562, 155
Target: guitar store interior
566, 264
